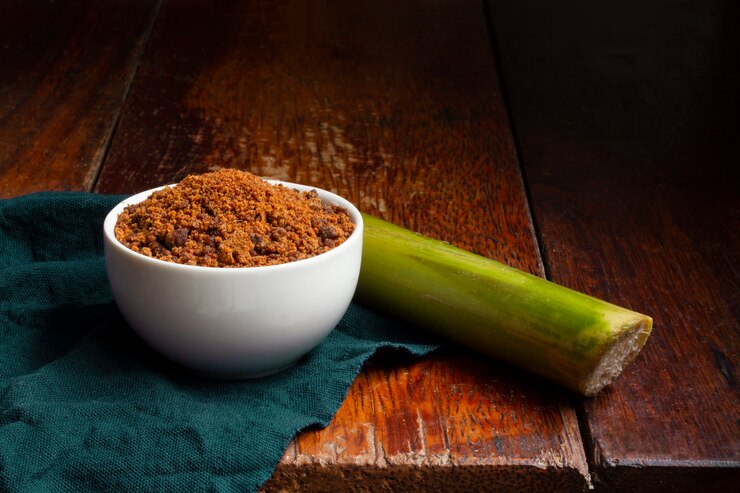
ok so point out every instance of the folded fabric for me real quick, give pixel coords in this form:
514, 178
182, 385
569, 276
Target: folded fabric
85, 405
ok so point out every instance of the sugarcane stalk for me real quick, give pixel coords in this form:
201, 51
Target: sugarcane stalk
571, 338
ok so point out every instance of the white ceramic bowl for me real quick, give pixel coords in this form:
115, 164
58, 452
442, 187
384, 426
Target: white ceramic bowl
234, 322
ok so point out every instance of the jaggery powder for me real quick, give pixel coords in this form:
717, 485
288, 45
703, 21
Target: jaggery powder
232, 218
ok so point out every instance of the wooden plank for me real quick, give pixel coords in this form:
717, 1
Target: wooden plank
623, 118
65, 68
396, 107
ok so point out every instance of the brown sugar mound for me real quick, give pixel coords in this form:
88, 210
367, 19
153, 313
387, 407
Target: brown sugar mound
231, 218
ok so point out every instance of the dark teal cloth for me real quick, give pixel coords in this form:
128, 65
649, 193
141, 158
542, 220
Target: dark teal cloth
85, 405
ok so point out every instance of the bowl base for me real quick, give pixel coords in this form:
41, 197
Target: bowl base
245, 376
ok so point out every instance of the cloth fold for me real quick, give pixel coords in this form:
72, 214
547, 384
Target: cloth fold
85, 405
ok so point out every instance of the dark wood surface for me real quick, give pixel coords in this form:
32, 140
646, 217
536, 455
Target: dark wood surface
626, 117
65, 68
624, 124
397, 108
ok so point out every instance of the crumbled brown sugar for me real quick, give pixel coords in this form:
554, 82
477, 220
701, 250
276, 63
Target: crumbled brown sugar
232, 218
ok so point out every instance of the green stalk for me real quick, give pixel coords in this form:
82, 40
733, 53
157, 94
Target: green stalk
566, 336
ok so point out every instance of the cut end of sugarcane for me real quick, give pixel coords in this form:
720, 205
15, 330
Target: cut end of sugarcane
617, 356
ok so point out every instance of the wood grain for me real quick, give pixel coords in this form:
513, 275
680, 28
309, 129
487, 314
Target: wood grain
65, 67
396, 107
623, 118
453, 422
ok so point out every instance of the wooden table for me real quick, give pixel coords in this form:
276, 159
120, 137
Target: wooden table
592, 144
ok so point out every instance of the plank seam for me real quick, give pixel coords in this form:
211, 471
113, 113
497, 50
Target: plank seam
590, 448
127, 91
539, 243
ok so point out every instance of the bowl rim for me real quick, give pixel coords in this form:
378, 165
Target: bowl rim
326, 196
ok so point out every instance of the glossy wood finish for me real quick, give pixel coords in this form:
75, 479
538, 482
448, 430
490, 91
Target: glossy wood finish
396, 107
625, 122
626, 117
65, 68
400, 113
